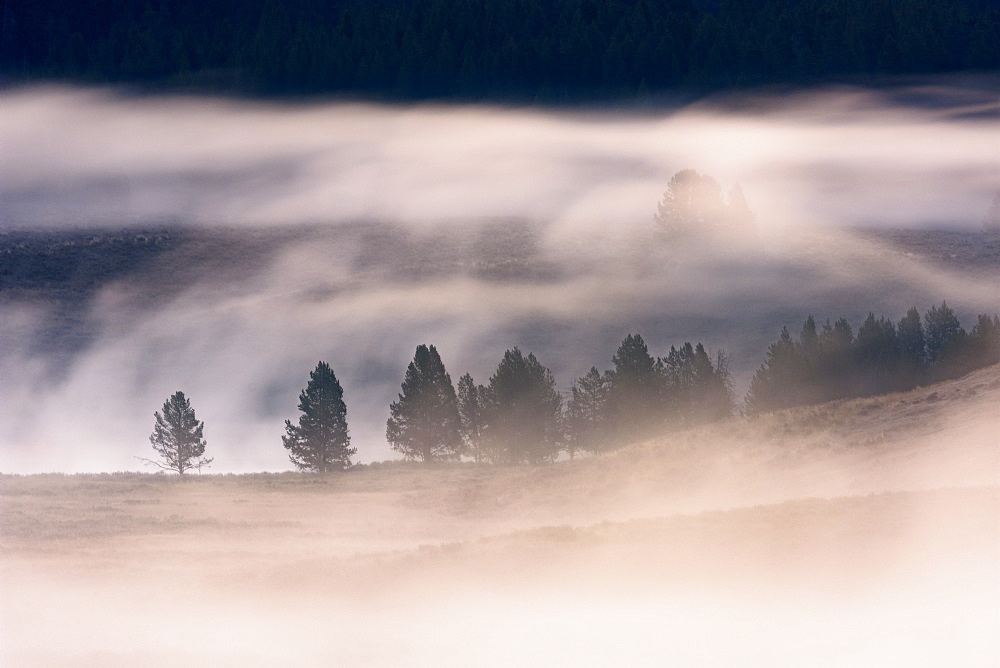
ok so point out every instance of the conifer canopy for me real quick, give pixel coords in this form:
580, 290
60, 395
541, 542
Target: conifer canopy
320, 442
178, 436
424, 424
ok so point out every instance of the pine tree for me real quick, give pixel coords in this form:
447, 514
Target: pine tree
635, 401
696, 391
691, 207
711, 389
471, 408
320, 442
813, 386
178, 436
775, 385
876, 355
942, 329
424, 423
522, 411
677, 375
835, 374
984, 340
809, 337
912, 345
883, 358
586, 413
910, 332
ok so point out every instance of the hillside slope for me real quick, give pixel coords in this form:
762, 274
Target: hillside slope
854, 533
941, 435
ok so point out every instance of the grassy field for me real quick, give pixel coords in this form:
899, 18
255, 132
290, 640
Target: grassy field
854, 533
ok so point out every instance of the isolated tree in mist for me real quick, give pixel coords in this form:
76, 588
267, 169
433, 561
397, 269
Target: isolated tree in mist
471, 407
522, 411
178, 436
691, 205
693, 208
424, 423
320, 442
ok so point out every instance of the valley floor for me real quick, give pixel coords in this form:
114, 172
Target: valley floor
861, 532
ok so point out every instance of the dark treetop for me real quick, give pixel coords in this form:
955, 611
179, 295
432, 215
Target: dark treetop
320, 442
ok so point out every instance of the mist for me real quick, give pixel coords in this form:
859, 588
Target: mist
862, 532
472, 228
913, 155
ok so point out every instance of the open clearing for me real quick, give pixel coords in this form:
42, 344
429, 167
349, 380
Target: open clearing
862, 532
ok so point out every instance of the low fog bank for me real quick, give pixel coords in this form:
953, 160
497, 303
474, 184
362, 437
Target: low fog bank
473, 229
864, 532
363, 297
910, 154
927, 624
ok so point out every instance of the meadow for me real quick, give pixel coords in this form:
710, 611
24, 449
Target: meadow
859, 532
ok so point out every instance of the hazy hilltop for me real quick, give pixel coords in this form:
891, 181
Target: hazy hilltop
862, 527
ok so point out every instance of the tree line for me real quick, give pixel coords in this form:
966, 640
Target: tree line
519, 417
831, 362
491, 49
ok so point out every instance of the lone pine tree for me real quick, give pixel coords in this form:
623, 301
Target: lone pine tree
320, 442
693, 208
424, 423
178, 436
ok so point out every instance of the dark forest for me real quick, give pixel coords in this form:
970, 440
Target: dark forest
512, 50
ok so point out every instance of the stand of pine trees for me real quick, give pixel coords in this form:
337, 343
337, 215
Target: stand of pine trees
520, 417
642, 396
832, 363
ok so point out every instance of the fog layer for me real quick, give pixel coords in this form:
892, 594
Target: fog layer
474, 229
863, 532
916, 155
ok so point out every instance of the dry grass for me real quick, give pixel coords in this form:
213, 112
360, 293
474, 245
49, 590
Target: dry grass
849, 512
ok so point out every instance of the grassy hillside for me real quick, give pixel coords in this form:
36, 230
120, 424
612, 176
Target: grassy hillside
857, 529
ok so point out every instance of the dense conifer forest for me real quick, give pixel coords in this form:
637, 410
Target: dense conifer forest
560, 50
